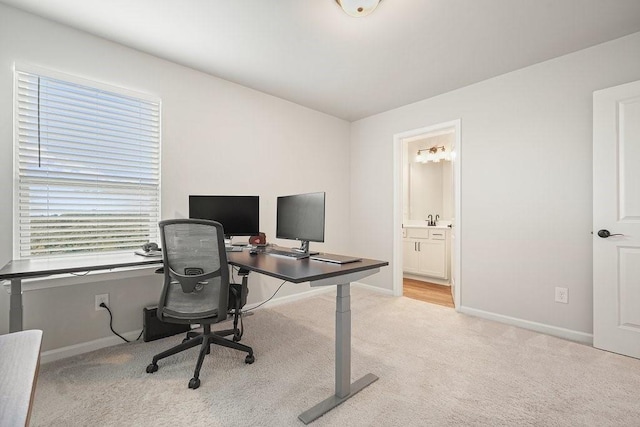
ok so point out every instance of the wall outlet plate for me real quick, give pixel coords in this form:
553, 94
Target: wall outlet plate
103, 298
562, 295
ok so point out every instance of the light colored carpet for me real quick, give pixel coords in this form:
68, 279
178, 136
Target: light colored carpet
436, 368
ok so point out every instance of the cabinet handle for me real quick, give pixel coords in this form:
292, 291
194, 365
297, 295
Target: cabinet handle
419, 246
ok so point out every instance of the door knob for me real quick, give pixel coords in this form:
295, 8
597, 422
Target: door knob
605, 233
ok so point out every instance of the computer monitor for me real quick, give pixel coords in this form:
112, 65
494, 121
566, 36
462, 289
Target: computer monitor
301, 217
239, 215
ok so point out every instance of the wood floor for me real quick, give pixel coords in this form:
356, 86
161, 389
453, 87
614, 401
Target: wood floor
429, 292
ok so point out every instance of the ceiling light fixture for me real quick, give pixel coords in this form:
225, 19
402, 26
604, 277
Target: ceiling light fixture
358, 8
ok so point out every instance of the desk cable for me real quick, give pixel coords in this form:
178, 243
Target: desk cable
111, 325
267, 300
236, 269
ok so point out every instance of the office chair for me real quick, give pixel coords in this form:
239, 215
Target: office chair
196, 287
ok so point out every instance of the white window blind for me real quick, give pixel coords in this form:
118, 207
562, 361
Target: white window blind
87, 168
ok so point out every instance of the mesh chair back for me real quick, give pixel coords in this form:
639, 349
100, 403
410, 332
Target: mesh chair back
196, 282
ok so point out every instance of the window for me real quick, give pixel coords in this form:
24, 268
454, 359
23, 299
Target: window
87, 167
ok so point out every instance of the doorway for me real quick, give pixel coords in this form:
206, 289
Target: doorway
401, 157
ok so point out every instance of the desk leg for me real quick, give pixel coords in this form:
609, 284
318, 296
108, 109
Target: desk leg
344, 388
15, 306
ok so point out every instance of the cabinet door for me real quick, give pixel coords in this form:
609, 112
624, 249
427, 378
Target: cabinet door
432, 258
411, 256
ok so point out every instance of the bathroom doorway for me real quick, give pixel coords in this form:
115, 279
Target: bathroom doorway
427, 207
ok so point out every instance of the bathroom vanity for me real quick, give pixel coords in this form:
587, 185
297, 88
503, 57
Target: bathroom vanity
426, 250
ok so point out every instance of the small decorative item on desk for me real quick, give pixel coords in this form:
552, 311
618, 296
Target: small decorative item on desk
259, 240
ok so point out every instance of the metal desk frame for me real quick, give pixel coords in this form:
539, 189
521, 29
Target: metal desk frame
319, 273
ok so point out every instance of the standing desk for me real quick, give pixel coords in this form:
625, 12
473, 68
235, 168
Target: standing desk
17, 270
320, 273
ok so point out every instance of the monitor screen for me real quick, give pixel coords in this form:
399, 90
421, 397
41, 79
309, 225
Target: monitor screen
239, 215
301, 217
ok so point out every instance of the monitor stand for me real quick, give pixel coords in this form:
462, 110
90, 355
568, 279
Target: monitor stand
304, 248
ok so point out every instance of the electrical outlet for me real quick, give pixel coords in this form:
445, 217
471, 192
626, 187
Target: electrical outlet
104, 298
562, 295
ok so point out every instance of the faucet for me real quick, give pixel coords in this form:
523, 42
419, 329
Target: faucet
430, 220
436, 221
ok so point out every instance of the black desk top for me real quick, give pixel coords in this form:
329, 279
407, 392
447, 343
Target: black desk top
291, 270
38, 267
298, 271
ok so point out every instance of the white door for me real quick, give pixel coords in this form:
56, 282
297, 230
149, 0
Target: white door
616, 211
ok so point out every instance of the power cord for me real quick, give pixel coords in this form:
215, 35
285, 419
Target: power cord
237, 270
111, 324
266, 301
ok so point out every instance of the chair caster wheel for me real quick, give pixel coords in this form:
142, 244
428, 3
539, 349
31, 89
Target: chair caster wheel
194, 383
249, 359
151, 368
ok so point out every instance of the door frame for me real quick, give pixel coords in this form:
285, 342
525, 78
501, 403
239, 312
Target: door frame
398, 162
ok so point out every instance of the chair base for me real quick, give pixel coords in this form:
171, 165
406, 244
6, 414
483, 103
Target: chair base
205, 339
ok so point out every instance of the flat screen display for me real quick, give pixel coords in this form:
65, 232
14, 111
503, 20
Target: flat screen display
301, 217
239, 215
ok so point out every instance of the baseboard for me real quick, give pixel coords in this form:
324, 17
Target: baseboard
555, 331
85, 347
376, 289
427, 279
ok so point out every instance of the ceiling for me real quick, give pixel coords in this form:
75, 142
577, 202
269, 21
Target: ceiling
313, 54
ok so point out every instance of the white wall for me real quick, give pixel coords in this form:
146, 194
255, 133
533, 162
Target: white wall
217, 138
526, 183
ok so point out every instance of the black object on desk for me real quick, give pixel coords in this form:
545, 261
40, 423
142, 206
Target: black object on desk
321, 274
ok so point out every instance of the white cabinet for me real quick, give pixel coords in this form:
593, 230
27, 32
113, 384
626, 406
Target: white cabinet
411, 255
425, 252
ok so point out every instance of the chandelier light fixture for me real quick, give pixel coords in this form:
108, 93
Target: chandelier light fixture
358, 8
433, 154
